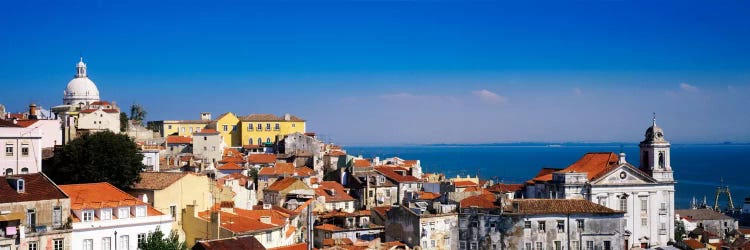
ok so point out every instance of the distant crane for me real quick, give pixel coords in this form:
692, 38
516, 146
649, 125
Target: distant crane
723, 190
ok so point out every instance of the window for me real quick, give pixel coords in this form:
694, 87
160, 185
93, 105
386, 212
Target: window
277, 127
542, 226
574, 245
528, 246
106, 243
24, 170
602, 201
462, 244
24, 149
169, 126
624, 204
269, 237
234, 128
260, 126
580, 224
123, 212
225, 127
141, 239
260, 141
644, 222
293, 125
268, 126
539, 246
31, 217
173, 212
140, 211
472, 247
644, 204
182, 129
558, 245
124, 243
213, 148
191, 130
561, 226
33, 245
527, 224
21, 184
661, 160
88, 215
268, 139
250, 127
57, 244
590, 245
370, 193
607, 245
9, 150
9, 171
105, 214
88, 244
388, 192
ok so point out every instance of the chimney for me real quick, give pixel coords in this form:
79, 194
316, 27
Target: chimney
265, 219
205, 116
32, 111
622, 159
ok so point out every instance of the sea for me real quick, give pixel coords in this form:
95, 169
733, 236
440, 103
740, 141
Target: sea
698, 168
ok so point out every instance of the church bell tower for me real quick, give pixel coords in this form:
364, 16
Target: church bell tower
655, 158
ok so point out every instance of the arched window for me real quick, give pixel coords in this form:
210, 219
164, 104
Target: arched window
260, 141
268, 139
24, 170
661, 160
9, 171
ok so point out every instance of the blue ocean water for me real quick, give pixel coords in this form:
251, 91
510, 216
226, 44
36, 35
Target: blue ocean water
698, 169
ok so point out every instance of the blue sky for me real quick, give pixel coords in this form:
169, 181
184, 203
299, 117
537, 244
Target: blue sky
390, 72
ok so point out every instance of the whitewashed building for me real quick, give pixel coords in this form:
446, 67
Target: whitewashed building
22, 149
105, 217
644, 193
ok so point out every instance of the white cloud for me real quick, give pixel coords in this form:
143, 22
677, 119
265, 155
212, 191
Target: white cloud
688, 88
578, 91
489, 96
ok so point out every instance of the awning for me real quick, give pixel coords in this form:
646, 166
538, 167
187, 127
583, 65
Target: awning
13, 216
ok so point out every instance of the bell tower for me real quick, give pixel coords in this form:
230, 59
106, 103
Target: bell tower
655, 157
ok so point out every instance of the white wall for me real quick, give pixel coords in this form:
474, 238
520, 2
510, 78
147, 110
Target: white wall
99, 120
17, 138
97, 230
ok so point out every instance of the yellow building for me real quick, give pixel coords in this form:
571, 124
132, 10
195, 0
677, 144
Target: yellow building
183, 127
228, 126
170, 193
262, 128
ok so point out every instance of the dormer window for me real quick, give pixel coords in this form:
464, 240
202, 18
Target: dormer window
105, 214
140, 211
87, 215
123, 212
20, 186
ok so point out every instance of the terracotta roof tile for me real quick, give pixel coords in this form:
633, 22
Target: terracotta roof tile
427, 195
304, 171
282, 184
261, 158
339, 193
361, 163
278, 169
233, 243
230, 166
269, 118
389, 173
693, 244
382, 211
237, 223
504, 188
300, 246
336, 153
594, 164
329, 227
101, 195
25, 123
559, 206
38, 187
179, 140
477, 201
157, 180
545, 174
277, 218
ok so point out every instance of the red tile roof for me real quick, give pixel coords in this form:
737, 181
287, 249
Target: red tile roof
299, 246
230, 166
389, 173
362, 163
464, 184
559, 206
336, 153
477, 201
101, 195
38, 187
693, 244
278, 169
269, 118
382, 211
594, 164
277, 218
25, 123
545, 174
261, 158
157, 180
100, 103
251, 146
86, 111
282, 184
427, 195
179, 140
236, 223
339, 193
304, 171
247, 242
329, 228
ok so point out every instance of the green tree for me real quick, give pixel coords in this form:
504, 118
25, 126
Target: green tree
156, 241
97, 157
137, 113
679, 230
123, 122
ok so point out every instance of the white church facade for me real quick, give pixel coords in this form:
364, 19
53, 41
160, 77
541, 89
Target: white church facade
645, 193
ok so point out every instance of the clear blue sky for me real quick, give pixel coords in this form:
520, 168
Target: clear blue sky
373, 72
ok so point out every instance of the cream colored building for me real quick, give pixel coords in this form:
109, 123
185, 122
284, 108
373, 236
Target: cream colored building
170, 193
96, 120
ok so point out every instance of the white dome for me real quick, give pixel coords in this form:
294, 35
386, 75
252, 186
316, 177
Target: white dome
81, 89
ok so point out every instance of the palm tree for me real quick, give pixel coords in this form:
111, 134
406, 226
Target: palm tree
137, 113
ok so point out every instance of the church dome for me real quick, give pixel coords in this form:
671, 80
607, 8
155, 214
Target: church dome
80, 89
